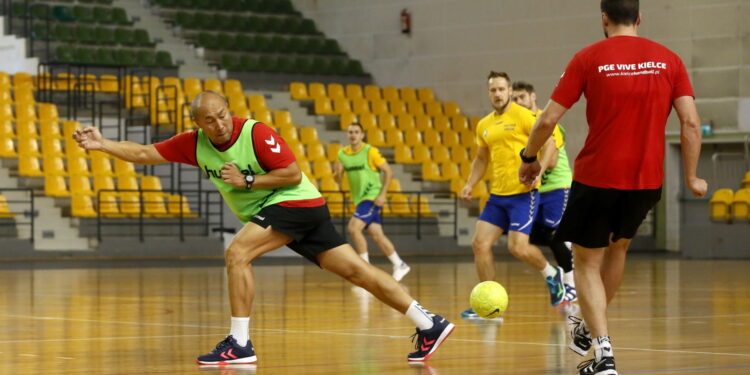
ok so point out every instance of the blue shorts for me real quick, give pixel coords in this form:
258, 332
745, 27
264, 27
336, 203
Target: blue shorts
368, 212
512, 212
551, 207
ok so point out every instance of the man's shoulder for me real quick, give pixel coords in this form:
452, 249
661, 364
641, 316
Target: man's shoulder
488, 119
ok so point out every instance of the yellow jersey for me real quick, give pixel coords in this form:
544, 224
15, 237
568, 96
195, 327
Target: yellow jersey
505, 136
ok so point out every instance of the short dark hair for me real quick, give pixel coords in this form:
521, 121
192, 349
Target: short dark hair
523, 86
621, 12
494, 74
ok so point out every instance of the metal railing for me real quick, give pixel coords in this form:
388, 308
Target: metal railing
27, 211
209, 204
442, 210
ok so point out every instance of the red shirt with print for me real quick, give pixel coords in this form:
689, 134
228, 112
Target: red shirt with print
182, 149
630, 84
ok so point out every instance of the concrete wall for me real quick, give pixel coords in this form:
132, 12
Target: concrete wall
455, 43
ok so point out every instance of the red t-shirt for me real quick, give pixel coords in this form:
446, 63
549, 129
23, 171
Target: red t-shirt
630, 84
182, 148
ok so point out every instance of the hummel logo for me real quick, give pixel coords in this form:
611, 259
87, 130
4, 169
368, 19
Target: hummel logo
228, 354
260, 217
271, 142
427, 343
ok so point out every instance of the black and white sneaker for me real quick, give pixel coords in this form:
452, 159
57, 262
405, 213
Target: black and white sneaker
229, 352
580, 336
430, 339
605, 366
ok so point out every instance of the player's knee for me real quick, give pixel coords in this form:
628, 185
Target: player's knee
481, 246
518, 250
352, 229
355, 273
236, 256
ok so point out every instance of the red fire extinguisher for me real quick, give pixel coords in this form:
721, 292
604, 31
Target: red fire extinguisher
405, 22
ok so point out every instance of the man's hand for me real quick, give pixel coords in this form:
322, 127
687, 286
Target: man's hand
698, 186
528, 173
466, 193
380, 200
232, 175
89, 138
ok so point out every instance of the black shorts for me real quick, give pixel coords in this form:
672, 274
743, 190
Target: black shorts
311, 228
596, 215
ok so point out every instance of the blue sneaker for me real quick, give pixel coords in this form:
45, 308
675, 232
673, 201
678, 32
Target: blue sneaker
469, 314
570, 293
430, 339
229, 352
556, 288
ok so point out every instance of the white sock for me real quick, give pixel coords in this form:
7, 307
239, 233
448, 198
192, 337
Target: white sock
365, 256
395, 259
603, 348
569, 279
240, 330
549, 271
420, 316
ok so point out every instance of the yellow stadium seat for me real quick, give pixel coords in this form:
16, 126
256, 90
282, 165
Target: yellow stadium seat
329, 184
263, 116
24, 95
408, 94
379, 107
316, 91
54, 186
6, 129
360, 106
423, 123
451, 109
5, 97
332, 151
48, 111
336, 91
459, 154
4, 209
151, 183
153, 205
336, 204
124, 168
399, 204
50, 129
192, 87
341, 105
52, 147
368, 121
354, 91
464, 169
304, 167
413, 137
442, 123
28, 147
434, 109
308, 135
372, 93
405, 122
432, 138
316, 151
69, 127
6, 112
298, 91
108, 83
130, 204
421, 154
5, 79
741, 205
179, 206
23, 79
394, 137
323, 107
431, 171
721, 204
468, 138
29, 166
77, 166
474, 122
213, 84
480, 190
82, 206
127, 182
421, 206
746, 180
347, 119
53, 166
440, 154
297, 149
7, 150
386, 122
107, 204
81, 185
390, 93
290, 135
450, 138
415, 108
459, 123
232, 86
376, 138
101, 166
322, 168
402, 154
397, 108
345, 184
237, 102
426, 95
457, 184
449, 170
282, 119
26, 129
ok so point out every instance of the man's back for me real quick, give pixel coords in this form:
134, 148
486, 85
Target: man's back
630, 84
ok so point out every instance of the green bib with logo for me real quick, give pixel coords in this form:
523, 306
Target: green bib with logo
243, 202
365, 184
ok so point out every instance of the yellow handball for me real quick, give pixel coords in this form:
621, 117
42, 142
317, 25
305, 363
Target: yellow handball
489, 299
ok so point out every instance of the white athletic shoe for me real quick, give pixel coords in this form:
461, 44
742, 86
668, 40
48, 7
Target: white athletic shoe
400, 271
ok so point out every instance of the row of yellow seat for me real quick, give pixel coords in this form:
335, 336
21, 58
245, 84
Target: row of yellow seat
20, 80
5, 212
353, 91
728, 206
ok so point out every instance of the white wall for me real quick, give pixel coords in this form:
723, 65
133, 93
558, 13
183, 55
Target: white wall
454, 44
13, 54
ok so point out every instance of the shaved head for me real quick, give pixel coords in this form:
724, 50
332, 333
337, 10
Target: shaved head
205, 96
210, 111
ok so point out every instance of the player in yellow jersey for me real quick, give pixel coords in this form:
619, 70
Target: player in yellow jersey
512, 206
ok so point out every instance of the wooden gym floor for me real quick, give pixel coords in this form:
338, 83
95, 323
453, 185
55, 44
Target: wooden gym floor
672, 316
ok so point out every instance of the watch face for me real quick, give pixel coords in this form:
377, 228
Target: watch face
249, 179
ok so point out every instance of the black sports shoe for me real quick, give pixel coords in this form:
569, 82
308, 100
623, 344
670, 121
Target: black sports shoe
556, 287
229, 352
580, 336
605, 366
430, 339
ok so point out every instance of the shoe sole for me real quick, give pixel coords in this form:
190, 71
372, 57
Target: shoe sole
579, 351
238, 361
607, 372
446, 332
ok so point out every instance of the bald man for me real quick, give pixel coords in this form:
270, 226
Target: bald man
258, 177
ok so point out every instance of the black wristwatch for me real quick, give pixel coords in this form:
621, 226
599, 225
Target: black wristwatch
527, 159
249, 179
